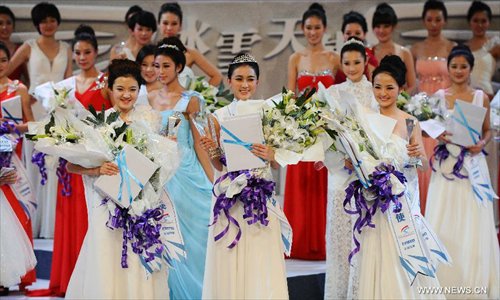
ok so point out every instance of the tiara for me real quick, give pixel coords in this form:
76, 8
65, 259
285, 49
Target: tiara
244, 58
354, 41
169, 46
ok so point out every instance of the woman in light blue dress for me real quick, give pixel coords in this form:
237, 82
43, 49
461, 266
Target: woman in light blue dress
190, 188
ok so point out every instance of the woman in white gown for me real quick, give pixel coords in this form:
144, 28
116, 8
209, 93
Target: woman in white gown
146, 60
382, 274
486, 49
341, 277
255, 267
16, 253
463, 221
47, 60
141, 25
98, 273
170, 25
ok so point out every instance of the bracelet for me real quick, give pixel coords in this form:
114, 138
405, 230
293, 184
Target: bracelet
214, 152
482, 142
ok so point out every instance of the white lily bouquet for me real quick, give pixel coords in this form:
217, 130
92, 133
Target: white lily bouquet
346, 128
294, 127
146, 215
379, 185
215, 97
422, 106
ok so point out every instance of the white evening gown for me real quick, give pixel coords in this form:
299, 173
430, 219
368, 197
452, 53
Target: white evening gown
98, 273
467, 229
341, 278
42, 70
484, 66
186, 77
381, 275
16, 252
255, 267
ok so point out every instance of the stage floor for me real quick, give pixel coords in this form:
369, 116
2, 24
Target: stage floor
294, 268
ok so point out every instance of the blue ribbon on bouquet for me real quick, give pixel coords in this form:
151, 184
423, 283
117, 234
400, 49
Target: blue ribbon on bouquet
237, 141
381, 189
474, 134
9, 116
125, 176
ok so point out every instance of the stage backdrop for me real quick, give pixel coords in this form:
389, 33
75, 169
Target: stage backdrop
270, 30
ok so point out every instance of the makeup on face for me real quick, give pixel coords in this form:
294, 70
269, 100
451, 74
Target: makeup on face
243, 82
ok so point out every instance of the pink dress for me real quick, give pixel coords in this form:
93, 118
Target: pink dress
432, 75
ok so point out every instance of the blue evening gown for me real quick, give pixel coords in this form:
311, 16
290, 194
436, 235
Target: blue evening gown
191, 191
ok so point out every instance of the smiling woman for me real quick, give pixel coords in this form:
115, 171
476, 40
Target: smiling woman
303, 182
190, 187
142, 25
170, 22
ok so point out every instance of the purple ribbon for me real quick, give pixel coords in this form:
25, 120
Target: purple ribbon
441, 153
254, 197
7, 127
381, 189
143, 232
64, 177
5, 159
38, 159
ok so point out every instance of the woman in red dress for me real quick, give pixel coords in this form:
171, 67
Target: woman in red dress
306, 187
354, 25
71, 208
9, 89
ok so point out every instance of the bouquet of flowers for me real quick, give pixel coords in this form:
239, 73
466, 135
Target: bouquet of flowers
348, 131
149, 223
380, 185
255, 190
295, 128
422, 106
215, 97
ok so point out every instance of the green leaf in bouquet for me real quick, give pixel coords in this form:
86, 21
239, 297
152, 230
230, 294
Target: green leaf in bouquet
112, 117
305, 97
35, 137
52, 123
120, 130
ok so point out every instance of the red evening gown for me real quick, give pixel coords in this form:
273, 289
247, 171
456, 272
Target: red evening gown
71, 216
305, 193
25, 221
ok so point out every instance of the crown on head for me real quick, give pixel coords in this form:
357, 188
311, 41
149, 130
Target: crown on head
354, 41
244, 58
169, 46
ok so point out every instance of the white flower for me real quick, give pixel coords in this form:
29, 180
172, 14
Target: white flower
236, 186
